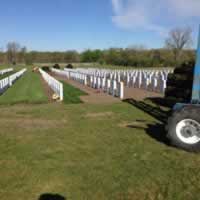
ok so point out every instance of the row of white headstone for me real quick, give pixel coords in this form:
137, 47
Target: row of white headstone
54, 84
8, 81
112, 87
4, 71
148, 79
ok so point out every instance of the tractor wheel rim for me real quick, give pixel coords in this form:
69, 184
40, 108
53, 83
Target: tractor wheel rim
188, 131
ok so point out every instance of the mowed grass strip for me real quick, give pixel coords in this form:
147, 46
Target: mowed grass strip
72, 94
27, 89
7, 74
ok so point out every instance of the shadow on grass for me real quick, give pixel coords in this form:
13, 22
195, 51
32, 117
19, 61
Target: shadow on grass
51, 197
169, 103
154, 111
156, 131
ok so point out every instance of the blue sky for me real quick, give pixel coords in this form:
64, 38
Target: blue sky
81, 24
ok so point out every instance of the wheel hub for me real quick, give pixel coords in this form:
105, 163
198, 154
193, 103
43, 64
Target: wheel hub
188, 131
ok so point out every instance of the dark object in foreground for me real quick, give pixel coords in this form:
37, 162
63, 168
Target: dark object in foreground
184, 124
179, 84
184, 128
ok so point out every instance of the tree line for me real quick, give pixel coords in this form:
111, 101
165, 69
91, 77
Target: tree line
175, 51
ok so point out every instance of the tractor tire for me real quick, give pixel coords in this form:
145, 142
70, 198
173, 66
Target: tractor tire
183, 128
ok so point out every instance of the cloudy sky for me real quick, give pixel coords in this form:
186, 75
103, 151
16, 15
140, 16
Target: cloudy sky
81, 24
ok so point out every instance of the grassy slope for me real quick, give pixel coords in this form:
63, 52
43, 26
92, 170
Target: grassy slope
28, 89
72, 94
88, 152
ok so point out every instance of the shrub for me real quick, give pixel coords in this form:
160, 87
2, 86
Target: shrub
46, 68
102, 62
28, 59
69, 66
56, 66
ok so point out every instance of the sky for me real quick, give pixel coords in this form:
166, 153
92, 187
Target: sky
59, 25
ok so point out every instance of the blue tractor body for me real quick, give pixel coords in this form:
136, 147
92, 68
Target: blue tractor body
196, 82
195, 100
184, 124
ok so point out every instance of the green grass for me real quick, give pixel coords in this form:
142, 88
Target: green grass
72, 94
7, 74
15, 67
27, 89
82, 151
96, 152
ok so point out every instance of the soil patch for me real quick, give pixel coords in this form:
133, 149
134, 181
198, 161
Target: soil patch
102, 114
94, 96
48, 91
140, 94
135, 124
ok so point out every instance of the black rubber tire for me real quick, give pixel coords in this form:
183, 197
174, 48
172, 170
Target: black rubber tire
188, 112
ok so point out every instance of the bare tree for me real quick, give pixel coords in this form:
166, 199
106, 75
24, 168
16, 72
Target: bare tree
22, 54
12, 49
178, 39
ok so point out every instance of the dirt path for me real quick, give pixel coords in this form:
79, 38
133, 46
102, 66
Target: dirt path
139, 94
97, 96
94, 96
48, 91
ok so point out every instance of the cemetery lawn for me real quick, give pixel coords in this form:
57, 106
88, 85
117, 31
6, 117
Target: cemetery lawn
97, 152
72, 94
7, 74
27, 89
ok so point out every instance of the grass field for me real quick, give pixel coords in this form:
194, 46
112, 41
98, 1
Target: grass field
28, 89
15, 67
72, 94
7, 74
81, 151
91, 152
